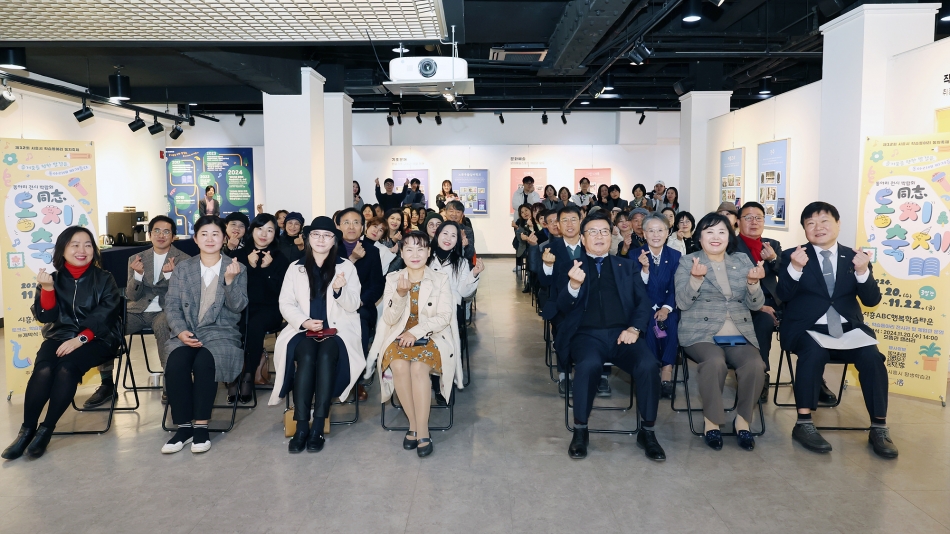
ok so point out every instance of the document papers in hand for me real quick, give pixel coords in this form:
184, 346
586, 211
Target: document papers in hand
850, 340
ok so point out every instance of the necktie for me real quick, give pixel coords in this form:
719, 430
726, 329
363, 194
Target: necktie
834, 319
599, 262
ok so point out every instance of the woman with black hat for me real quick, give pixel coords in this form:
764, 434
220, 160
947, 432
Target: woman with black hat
236, 224
290, 241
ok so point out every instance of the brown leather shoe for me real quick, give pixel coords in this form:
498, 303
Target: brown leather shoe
361, 393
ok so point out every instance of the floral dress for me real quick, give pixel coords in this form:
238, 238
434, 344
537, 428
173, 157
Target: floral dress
428, 354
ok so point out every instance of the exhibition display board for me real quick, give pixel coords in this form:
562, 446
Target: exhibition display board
731, 163
517, 174
772, 182
596, 177
191, 170
904, 213
471, 185
400, 177
48, 186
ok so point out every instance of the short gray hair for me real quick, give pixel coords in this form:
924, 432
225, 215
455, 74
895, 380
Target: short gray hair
656, 216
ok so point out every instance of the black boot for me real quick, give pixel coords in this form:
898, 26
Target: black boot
316, 441
23, 439
40, 442
299, 442
102, 395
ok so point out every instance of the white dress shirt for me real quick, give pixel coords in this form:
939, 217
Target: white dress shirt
208, 273
796, 275
157, 263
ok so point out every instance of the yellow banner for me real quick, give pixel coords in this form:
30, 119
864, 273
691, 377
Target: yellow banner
904, 225
48, 186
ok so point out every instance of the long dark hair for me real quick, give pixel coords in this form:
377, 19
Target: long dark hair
676, 198
64, 238
606, 197
402, 220
455, 255
259, 222
318, 287
521, 220
712, 219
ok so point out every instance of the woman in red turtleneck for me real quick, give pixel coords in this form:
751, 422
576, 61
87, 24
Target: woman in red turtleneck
79, 308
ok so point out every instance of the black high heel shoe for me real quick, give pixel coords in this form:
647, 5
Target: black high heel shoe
410, 444
425, 447
247, 383
19, 445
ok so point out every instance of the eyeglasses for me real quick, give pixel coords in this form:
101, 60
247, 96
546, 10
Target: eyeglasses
351, 222
751, 218
321, 236
598, 231
572, 220
162, 232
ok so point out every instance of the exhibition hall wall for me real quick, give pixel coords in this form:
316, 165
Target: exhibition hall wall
634, 153
917, 86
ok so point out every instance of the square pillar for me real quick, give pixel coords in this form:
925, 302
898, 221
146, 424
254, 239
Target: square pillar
338, 142
696, 108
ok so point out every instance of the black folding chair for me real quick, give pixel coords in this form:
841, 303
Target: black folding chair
787, 360
690, 409
355, 402
464, 353
568, 407
125, 376
450, 406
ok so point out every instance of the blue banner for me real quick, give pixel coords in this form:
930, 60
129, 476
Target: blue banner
472, 188
191, 170
772, 182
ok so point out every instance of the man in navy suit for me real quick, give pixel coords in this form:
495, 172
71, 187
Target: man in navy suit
365, 257
820, 283
605, 309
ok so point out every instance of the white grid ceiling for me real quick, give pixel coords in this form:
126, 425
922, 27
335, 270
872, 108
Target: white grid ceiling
220, 21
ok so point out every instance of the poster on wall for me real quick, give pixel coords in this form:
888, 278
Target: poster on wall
772, 182
400, 177
191, 170
517, 174
48, 186
730, 176
472, 188
596, 177
904, 225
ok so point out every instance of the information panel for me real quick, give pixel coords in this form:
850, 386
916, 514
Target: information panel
772, 182
400, 177
472, 188
904, 213
517, 174
191, 170
730, 176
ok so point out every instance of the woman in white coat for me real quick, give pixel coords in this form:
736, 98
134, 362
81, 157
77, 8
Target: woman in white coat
415, 338
320, 292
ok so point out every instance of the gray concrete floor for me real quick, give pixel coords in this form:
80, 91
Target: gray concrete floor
502, 468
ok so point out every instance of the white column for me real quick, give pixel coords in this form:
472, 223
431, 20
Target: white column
294, 148
338, 140
696, 108
857, 46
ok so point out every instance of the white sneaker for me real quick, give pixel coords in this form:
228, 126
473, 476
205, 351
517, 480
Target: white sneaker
201, 447
172, 448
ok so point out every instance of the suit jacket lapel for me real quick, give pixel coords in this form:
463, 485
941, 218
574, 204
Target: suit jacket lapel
845, 268
815, 270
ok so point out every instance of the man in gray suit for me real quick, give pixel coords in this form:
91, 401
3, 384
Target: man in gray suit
147, 283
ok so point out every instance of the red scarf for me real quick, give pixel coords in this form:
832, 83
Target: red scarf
755, 247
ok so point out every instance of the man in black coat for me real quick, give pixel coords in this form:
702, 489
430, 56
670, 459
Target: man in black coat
606, 309
365, 257
390, 200
820, 283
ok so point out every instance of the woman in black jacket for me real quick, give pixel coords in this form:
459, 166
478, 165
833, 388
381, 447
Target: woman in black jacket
79, 308
266, 267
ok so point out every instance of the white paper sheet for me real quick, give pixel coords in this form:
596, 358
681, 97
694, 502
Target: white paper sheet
850, 340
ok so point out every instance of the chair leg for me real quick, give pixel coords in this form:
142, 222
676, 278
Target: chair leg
111, 409
450, 406
125, 376
568, 408
228, 428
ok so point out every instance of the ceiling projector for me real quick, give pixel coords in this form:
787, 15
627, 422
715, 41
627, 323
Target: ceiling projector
430, 76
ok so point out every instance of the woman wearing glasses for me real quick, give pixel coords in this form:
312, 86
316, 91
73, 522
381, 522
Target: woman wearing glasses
319, 354
414, 339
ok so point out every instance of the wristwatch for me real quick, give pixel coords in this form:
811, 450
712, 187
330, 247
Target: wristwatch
83, 339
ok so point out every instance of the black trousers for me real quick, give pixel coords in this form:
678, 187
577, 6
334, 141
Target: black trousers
315, 377
811, 364
592, 348
261, 320
367, 325
54, 379
189, 380
764, 330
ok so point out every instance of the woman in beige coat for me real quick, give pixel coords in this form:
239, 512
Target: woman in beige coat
320, 291
415, 338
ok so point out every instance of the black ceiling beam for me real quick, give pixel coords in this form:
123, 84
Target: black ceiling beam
583, 24
734, 14
272, 75
229, 94
736, 55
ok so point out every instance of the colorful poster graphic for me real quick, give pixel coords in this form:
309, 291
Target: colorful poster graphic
191, 170
472, 188
517, 174
731, 164
904, 225
596, 177
400, 177
48, 186
772, 182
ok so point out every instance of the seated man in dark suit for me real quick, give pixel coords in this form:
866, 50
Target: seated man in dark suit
605, 308
365, 257
820, 283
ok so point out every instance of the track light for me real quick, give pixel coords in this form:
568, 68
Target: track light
191, 121
156, 127
242, 121
137, 124
643, 117
943, 15
544, 117
501, 117
419, 118
176, 131
399, 118
7, 98
764, 86
596, 88
563, 118
389, 119
120, 88
693, 12
84, 113
635, 57
449, 97
438, 118
609, 86
13, 58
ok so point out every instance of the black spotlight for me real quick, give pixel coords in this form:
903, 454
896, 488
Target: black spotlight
943, 15
191, 121
176, 131
156, 127
137, 124
389, 119
693, 12
120, 88
419, 118
7, 98
241, 122
563, 118
635, 57
643, 117
501, 118
13, 58
544, 117
596, 88
399, 118
84, 113
438, 118
764, 88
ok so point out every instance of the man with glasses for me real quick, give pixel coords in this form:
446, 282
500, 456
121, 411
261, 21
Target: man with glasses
145, 290
365, 256
605, 310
